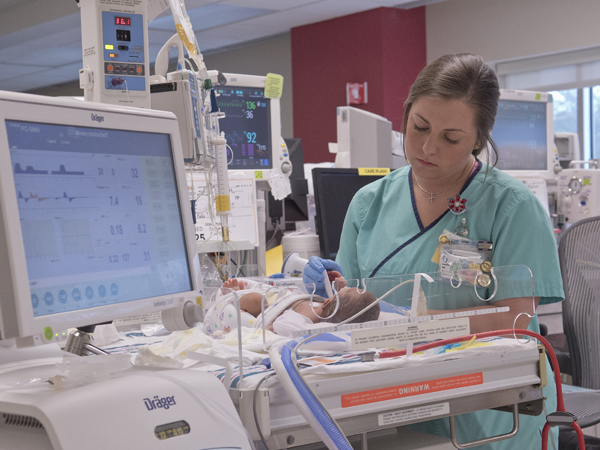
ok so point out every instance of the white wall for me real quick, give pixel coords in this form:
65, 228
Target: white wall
506, 29
269, 56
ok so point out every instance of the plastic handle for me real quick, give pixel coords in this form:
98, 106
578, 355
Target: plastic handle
328, 288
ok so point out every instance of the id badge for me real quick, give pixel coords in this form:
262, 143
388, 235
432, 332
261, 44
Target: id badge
459, 255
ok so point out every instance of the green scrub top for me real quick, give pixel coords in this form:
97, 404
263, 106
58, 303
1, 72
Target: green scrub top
383, 236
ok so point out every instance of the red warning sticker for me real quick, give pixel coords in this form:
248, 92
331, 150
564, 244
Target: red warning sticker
408, 390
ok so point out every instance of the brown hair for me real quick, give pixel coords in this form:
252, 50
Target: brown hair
351, 302
463, 77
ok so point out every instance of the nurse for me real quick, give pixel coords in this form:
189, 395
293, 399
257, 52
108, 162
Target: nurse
393, 226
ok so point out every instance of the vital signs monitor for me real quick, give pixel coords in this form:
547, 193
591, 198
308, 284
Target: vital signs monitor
252, 125
524, 134
95, 222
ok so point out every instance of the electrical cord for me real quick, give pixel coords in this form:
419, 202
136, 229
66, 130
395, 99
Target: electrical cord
277, 228
262, 438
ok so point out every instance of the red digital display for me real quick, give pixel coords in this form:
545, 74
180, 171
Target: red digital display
123, 21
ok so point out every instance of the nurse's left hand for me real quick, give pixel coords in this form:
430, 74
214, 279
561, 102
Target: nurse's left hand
313, 273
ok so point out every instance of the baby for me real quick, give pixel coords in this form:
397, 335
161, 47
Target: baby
298, 315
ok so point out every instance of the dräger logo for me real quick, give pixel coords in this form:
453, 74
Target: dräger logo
155, 403
97, 118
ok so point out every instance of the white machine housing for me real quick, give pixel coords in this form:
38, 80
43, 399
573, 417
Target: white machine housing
17, 302
567, 145
524, 135
114, 37
166, 410
364, 139
398, 156
579, 194
179, 94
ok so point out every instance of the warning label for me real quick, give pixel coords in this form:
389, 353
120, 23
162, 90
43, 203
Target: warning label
395, 335
408, 390
419, 413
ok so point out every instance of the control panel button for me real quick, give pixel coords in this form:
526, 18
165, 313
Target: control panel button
575, 185
568, 201
286, 167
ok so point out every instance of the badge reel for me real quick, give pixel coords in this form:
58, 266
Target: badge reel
484, 279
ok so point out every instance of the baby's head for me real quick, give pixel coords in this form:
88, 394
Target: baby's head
351, 302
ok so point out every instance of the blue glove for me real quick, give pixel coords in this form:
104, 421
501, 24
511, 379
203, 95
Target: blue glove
313, 273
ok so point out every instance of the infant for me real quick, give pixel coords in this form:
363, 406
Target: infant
298, 315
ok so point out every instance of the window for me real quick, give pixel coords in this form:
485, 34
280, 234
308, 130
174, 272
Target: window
565, 110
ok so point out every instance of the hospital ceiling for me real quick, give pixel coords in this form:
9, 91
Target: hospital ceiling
42, 46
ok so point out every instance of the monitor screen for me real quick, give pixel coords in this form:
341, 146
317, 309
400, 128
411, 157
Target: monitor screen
247, 126
334, 189
94, 218
520, 134
99, 214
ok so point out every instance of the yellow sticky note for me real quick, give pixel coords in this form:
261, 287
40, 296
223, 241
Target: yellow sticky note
538, 96
273, 85
258, 174
373, 170
586, 181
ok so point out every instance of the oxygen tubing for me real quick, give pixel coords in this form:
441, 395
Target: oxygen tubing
307, 404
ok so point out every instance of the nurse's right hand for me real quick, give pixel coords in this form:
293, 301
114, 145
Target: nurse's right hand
313, 273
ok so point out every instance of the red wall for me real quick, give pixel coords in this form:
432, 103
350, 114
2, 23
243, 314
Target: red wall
384, 47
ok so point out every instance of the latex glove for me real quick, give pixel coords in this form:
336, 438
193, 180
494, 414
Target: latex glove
313, 273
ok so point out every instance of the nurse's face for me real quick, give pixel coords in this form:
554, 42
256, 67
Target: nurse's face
440, 137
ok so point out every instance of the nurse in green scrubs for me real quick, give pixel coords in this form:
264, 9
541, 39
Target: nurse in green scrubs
393, 225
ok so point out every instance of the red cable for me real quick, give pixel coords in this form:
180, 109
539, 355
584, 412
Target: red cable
560, 405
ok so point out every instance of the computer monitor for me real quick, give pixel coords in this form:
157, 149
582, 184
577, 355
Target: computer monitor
334, 189
364, 139
524, 134
252, 125
95, 222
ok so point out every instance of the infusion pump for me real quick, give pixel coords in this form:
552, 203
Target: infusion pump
578, 194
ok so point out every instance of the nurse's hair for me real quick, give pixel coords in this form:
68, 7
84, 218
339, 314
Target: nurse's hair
352, 302
463, 77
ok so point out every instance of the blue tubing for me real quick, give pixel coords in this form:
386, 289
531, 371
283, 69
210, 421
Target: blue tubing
330, 428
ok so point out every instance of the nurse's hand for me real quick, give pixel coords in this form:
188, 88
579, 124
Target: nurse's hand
313, 273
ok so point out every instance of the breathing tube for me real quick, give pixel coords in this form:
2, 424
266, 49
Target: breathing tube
318, 418
308, 405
